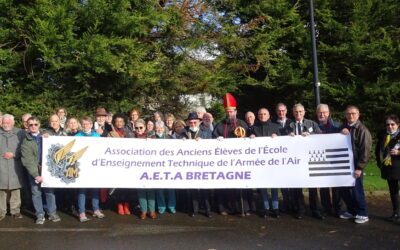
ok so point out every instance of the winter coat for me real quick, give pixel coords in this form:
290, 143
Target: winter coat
391, 172
30, 155
361, 143
11, 170
267, 128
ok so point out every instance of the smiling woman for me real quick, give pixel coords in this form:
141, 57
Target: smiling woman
387, 153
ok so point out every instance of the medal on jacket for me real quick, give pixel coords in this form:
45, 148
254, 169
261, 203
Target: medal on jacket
239, 132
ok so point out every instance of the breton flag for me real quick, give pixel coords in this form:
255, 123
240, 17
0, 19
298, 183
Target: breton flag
329, 162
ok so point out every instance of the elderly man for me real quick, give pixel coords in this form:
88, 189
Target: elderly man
196, 196
304, 127
231, 127
264, 127
250, 118
200, 111
24, 120
55, 128
328, 126
284, 128
207, 125
100, 125
10, 167
65, 196
31, 157
361, 144
26, 196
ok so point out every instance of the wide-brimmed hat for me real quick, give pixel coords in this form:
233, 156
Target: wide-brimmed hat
101, 112
193, 116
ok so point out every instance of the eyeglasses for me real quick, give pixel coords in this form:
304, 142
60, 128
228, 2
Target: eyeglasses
351, 113
139, 127
33, 124
390, 124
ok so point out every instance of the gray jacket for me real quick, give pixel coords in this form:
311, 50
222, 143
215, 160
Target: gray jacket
11, 170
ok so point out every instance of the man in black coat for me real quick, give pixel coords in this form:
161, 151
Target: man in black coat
262, 128
304, 127
284, 128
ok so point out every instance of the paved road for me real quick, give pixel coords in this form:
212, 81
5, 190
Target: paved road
182, 232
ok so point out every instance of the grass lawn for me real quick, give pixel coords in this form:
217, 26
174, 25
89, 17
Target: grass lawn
372, 178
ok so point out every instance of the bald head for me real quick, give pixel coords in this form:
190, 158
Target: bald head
54, 122
263, 115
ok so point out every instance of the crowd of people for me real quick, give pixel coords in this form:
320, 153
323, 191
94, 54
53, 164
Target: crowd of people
21, 151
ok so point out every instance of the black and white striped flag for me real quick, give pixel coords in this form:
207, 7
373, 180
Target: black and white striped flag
329, 162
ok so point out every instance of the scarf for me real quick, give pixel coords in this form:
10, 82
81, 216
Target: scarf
385, 157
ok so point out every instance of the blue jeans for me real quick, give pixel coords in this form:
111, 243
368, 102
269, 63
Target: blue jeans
161, 198
274, 198
82, 199
147, 200
354, 198
37, 198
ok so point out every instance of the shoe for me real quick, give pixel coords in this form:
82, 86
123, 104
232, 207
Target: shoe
275, 213
83, 218
153, 215
2, 217
208, 214
266, 214
346, 216
126, 208
161, 210
191, 214
318, 215
395, 217
172, 210
223, 213
361, 219
121, 209
143, 215
17, 216
40, 220
299, 215
247, 213
98, 214
54, 218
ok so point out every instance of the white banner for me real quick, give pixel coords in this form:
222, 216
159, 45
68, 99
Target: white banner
284, 161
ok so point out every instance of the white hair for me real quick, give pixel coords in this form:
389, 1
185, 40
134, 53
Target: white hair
322, 105
298, 105
159, 124
11, 117
201, 109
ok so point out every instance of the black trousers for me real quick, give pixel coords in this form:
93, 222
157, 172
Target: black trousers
195, 197
394, 195
298, 202
328, 202
233, 200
